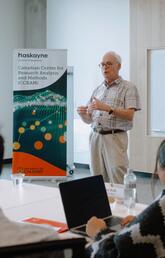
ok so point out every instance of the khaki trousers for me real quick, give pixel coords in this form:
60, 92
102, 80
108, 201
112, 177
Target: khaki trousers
108, 154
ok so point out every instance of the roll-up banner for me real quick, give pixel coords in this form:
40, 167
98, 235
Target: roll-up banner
40, 112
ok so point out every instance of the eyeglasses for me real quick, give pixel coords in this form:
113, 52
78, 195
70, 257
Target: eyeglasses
107, 64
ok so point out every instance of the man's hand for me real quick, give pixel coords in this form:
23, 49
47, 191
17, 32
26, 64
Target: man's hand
98, 105
84, 114
94, 226
82, 110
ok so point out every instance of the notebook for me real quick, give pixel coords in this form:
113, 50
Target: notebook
58, 226
84, 198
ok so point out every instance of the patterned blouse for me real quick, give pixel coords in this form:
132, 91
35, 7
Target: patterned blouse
142, 238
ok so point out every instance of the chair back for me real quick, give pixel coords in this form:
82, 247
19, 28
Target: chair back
48, 249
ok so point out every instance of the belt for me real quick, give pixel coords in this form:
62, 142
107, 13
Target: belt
100, 131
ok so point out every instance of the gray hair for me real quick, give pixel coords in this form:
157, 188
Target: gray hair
116, 56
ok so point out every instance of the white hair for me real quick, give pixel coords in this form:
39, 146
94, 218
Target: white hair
116, 56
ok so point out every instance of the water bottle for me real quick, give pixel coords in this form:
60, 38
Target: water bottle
129, 189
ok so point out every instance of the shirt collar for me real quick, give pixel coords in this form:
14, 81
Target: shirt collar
115, 82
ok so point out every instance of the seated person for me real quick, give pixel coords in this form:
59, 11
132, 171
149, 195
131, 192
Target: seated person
15, 233
143, 237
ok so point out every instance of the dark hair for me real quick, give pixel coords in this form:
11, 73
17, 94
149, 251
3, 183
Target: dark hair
160, 163
1, 152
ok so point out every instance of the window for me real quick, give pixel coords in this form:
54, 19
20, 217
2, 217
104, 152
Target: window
156, 91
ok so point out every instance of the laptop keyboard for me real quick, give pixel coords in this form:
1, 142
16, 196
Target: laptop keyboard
82, 228
110, 221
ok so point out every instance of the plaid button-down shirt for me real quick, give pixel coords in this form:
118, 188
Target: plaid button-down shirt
121, 94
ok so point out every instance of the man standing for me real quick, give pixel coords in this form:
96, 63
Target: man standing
110, 112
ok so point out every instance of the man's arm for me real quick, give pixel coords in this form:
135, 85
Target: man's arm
84, 114
126, 114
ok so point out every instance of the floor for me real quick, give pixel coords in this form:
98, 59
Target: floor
144, 193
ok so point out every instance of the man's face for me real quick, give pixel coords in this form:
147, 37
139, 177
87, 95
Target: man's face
110, 68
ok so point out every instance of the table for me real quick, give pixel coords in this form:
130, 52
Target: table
11, 196
32, 200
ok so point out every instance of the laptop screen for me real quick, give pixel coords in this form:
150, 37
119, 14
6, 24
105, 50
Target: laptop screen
84, 198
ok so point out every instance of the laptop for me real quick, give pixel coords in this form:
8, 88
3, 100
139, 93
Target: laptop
84, 198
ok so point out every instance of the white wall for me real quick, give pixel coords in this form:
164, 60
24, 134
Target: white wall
147, 21
22, 24
35, 23
88, 29
12, 36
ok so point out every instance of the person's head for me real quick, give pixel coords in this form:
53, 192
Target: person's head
160, 163
1, 153
110, 65
159, 171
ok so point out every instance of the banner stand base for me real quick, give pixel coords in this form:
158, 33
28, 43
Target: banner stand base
45, 178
